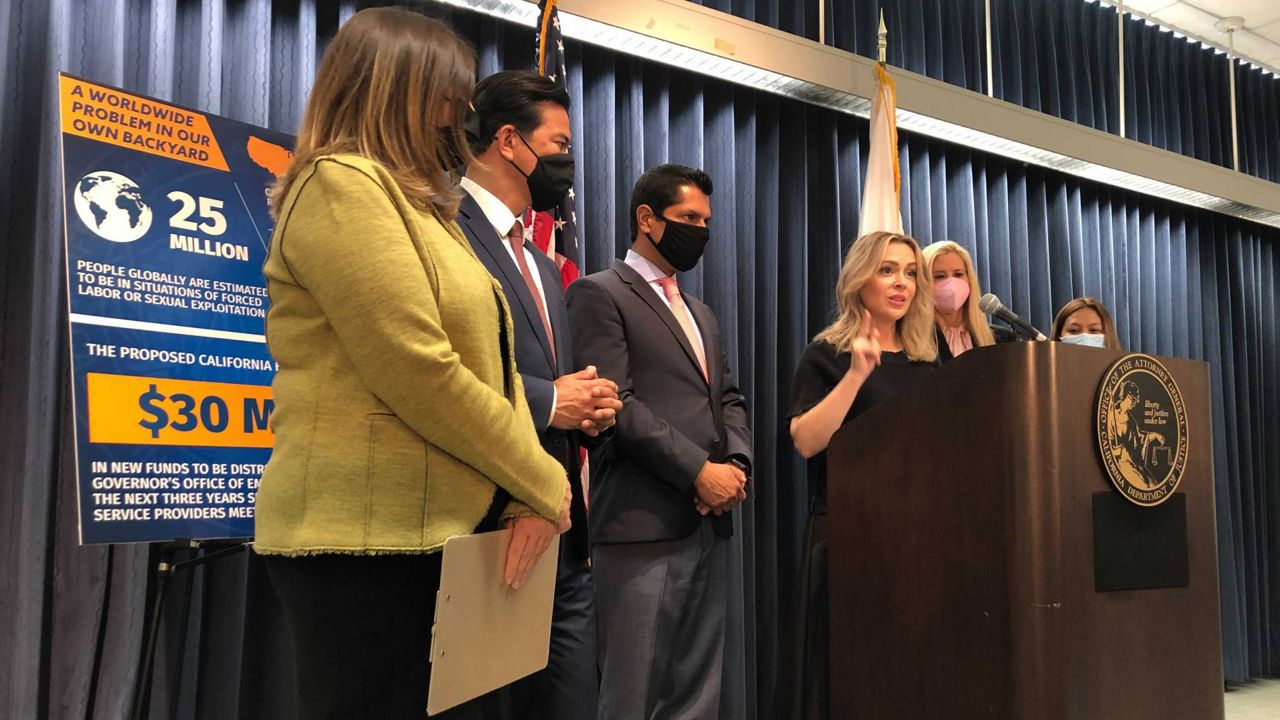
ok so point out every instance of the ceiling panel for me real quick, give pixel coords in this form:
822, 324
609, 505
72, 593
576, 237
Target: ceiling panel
1270, 32
1249, 45
1255, 12
1258, 42
1190, 19
1148, 6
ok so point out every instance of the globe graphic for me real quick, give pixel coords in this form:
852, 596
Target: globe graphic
111, 205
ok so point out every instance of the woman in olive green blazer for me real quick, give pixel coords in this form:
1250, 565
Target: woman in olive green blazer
399, 412
400, 419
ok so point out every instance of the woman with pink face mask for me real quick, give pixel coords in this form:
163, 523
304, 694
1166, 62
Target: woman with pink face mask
959, 324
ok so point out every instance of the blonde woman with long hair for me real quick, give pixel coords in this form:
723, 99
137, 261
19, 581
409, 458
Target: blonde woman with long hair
961, 326
881, 343
400, 419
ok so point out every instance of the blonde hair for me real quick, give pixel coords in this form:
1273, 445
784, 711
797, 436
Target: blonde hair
975, 320
915, 329
1108, 325
379, 92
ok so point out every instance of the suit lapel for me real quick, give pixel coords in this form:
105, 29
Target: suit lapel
492, 251
711, 346
641, 288
702, 318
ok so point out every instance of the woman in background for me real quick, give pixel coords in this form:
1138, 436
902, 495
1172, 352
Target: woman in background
961, 326
400, 420
1086, 321
881, 343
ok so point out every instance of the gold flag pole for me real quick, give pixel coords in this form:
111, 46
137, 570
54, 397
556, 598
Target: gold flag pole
882, 44
881, 208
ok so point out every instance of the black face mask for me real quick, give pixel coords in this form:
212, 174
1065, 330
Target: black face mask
551, 178
682, 244
450, 153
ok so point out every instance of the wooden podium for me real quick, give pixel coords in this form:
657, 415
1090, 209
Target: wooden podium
964, 578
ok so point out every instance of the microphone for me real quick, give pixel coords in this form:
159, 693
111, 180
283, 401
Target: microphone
991, 305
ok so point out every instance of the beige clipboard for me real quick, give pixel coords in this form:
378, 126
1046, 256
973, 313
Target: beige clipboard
487, 635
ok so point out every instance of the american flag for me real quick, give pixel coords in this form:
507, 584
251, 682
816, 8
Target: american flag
556, 233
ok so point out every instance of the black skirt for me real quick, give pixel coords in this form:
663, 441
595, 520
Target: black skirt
804, 675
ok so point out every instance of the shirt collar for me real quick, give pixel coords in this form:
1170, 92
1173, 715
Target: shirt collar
650, 272
495, 211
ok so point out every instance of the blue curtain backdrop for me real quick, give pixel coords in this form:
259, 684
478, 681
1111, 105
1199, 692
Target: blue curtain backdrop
1058, 57
1259, 108
1177, 94
1180, 282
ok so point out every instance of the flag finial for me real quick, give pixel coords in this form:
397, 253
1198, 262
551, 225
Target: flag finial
882, 43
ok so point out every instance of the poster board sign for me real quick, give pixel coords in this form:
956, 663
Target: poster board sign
167, 228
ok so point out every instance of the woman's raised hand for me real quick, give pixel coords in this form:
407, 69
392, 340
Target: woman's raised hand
865, 349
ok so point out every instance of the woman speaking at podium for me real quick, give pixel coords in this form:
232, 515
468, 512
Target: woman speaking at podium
400, 420
961, 326
881, 343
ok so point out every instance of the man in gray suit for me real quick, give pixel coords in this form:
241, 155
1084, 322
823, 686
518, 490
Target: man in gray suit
662, 491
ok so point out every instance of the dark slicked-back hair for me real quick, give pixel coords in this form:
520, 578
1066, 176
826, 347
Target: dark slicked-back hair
513, 97
659, 188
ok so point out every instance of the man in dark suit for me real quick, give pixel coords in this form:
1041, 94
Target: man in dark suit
522, 160
663, 488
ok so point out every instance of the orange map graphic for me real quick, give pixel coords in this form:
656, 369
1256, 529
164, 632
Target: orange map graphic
273, 158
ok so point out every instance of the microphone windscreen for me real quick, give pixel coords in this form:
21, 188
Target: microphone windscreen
990, 304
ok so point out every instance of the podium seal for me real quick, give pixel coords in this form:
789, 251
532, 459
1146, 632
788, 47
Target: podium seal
1141, 426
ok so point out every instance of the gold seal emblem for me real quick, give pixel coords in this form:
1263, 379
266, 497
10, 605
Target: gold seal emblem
1142, 429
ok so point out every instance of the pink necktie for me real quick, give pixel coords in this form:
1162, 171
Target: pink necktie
516, 238
681, 312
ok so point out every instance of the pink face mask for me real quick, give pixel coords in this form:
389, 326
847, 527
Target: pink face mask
950, 294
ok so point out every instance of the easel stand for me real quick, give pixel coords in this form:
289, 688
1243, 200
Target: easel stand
166, 567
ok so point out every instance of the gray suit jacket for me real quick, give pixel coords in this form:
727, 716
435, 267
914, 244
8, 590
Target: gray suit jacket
672, 421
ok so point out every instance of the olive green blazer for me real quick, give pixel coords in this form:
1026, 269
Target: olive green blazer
398, 408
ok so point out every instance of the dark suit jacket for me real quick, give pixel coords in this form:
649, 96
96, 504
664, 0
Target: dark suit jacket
538, 370
1002, 335
672, 420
